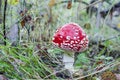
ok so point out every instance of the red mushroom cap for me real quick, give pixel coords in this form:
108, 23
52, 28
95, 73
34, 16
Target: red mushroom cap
71, 37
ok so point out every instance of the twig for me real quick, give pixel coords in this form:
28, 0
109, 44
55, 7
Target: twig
113, 26
0, 12
92, 4
104, 40
111, 38
4, 21
80, 1
54, 73
98, 15
105, 68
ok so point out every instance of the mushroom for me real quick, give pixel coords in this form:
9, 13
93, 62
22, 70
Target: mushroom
72, 38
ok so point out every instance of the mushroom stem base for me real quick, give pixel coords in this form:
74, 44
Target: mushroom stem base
68, 62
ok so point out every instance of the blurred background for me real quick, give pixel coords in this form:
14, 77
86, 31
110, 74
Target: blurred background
27, 28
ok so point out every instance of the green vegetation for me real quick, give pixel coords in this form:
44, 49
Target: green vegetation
33, 56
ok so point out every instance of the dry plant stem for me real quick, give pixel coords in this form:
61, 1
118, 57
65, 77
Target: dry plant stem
14, 64
4, 21
105, 68
78, 11
98, 15
0, 11
111, 38
109, 23
53, 73
82, 1
92, 4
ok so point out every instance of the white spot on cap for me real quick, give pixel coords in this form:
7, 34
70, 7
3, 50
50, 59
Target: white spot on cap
61, 36
84, 39
71, 42
68, 44
65, 44
74, 45
76, 33
67, 41
83, 34
76, 41
68, 37
73, 27
78, 37
53, 38
71, 45
81, 45
75, 37
81, 42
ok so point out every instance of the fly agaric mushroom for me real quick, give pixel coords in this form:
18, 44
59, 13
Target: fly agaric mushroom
70, 37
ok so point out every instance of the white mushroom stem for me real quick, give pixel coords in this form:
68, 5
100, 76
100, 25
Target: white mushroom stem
68, 62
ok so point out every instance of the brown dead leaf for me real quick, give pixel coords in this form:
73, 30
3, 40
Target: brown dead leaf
108, 75
69, 5
22, 23
51, 3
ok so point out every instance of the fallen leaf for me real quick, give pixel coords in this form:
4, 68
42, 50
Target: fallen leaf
108, 75
51, 3
22, 23
69, 5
